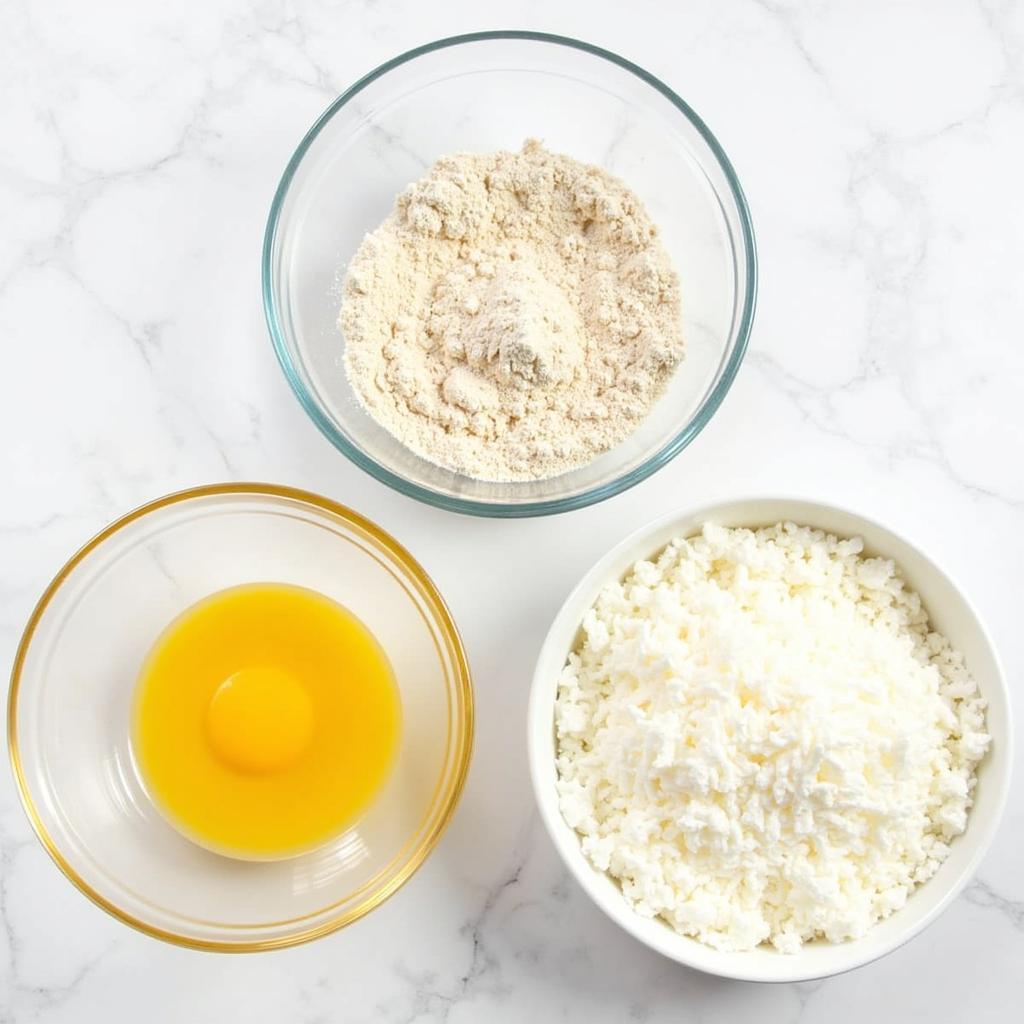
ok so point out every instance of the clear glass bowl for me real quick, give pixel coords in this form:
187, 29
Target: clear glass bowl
482, 92
71, 690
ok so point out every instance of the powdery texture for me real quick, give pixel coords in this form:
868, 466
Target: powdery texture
763, 740
515, 316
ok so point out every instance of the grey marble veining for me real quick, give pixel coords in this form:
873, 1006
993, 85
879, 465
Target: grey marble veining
881, 147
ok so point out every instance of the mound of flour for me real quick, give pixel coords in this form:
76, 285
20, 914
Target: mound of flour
515, 316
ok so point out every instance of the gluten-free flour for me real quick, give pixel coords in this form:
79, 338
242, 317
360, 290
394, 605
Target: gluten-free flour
514, 317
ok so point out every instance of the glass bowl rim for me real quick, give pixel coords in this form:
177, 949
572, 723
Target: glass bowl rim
547, 506
462, 734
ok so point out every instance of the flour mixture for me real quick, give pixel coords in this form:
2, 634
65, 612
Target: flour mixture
514, 317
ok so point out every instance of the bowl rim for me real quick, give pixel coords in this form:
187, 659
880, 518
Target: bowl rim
462, 733
539, 752
548, 506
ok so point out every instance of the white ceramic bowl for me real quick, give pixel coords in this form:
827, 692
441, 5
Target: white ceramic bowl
951, 613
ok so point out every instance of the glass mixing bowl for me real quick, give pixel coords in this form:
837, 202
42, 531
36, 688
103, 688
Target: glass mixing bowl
482, 92
72, 684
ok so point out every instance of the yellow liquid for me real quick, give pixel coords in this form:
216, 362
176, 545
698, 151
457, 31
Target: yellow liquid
266, 719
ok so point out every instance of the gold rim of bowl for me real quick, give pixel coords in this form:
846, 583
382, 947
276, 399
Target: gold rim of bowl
463, 733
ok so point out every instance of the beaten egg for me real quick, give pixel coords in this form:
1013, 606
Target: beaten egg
266, 718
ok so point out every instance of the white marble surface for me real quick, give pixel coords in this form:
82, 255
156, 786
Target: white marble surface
882, 149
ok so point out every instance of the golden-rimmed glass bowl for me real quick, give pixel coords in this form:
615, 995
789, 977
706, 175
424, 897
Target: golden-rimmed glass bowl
73, 680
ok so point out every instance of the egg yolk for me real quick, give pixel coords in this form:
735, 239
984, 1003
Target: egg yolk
266, 720
259, 720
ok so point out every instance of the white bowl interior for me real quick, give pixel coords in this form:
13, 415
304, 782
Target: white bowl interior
483, 96
951, 614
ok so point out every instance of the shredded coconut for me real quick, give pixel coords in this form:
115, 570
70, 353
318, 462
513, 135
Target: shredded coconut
514, 317
763, 740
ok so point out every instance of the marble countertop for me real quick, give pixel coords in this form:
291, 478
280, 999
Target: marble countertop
882, 149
